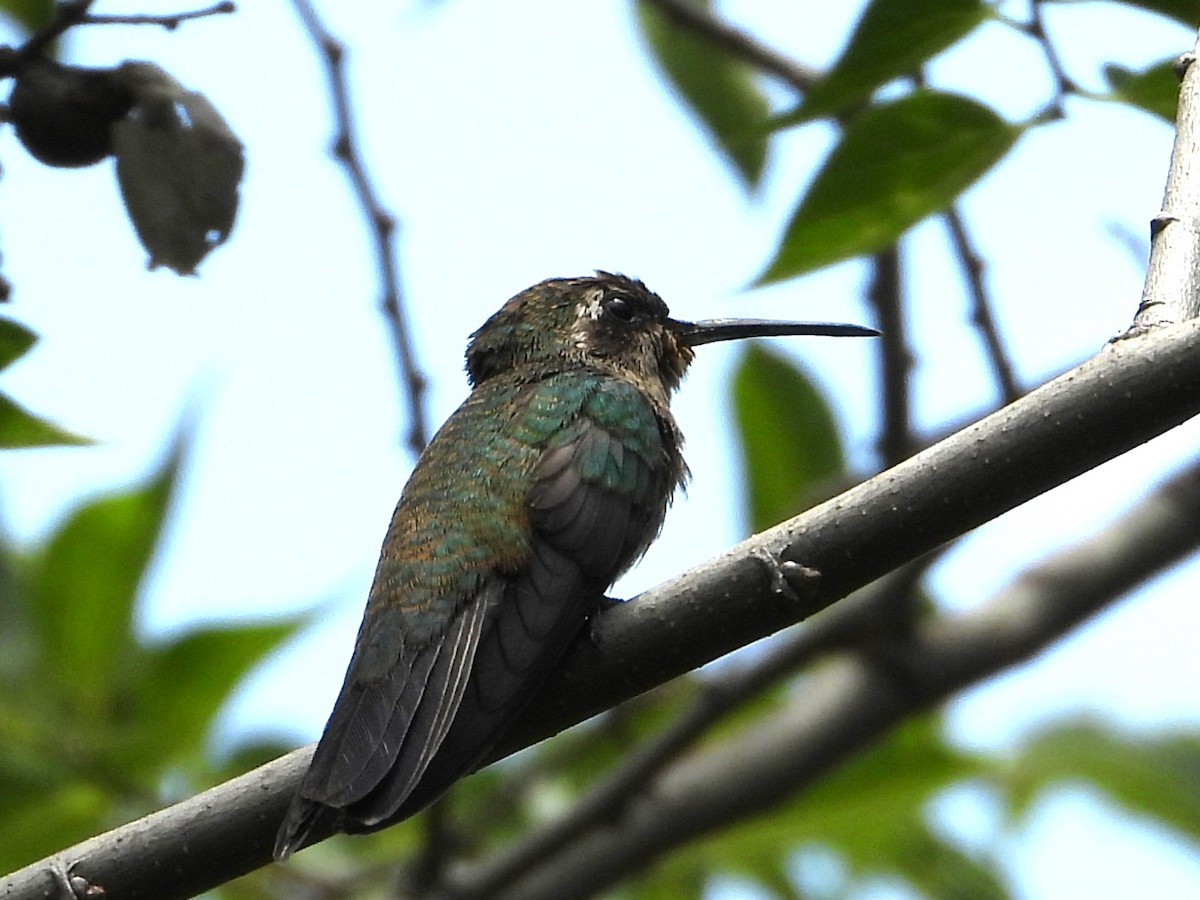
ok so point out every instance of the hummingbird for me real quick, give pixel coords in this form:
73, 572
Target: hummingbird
546, 484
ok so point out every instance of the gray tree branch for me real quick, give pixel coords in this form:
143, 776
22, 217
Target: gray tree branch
1172, 292
853, 700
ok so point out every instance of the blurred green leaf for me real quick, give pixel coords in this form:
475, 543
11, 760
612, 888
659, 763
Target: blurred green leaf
20, 428
83, 585
30, 15
888, 786
895, 164
1183, 11
937, 869
789, 439
718, 87
180, 686
1155, 777
54, 819
892, 39
1155, 89
15, 341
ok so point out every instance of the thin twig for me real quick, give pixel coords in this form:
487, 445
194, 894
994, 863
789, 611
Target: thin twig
169, 22
436, 849
981, 305
702, 21
1063, 83
382, 223
896, 442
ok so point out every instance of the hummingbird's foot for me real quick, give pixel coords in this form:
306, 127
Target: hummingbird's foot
789, 579
605, 603
70, 884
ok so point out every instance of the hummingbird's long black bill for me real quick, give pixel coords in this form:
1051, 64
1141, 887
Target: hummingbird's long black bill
709, 331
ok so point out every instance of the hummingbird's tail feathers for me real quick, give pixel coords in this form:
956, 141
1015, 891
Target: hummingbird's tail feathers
388, 722
528, 630
371, 716
427, 727
298, 825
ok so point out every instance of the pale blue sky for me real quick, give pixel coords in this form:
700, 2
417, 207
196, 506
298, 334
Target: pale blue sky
534, 138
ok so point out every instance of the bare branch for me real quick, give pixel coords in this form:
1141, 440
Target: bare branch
850, 703
886, 296
981, 305
1063, 83
1172, 292
169, 22
381, 222
1130, 392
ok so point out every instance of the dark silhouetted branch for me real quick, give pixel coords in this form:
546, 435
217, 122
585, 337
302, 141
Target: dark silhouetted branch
382, 223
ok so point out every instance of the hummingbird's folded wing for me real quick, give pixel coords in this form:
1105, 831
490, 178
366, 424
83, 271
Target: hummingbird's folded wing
578, 539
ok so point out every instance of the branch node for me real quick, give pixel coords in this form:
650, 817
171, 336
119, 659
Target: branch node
1182, 63
1159, 222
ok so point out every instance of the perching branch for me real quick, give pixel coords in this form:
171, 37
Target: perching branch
851, 702
381, 222
1128, 393
865, 612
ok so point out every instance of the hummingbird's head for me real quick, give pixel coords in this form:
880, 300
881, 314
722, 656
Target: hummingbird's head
610, 322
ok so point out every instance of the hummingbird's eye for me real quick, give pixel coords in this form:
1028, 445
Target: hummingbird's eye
619, 308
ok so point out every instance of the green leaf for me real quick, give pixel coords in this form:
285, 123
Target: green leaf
887, 786
1183, 11
83, 585
719, 88
789, 439
18, 426
895, 164
1155, 777
49, 822
1155, 89
893, 38
15, 341
179, 687
21, 428
30, 15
